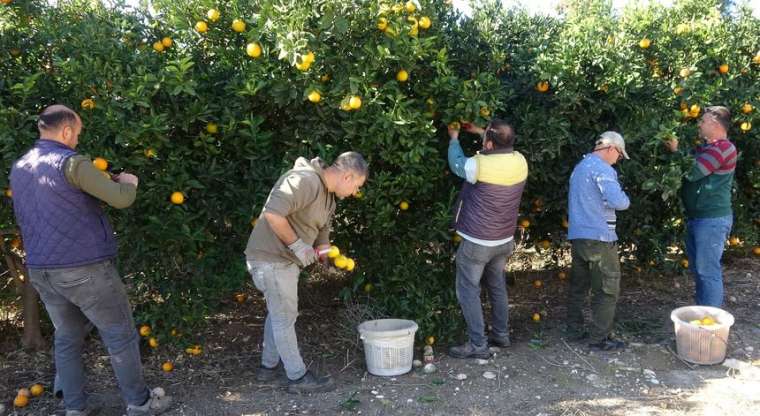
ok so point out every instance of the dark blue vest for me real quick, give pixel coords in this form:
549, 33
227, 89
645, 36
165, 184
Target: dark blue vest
61, 226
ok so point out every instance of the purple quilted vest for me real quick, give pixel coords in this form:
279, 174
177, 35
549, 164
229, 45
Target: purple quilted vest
61, 226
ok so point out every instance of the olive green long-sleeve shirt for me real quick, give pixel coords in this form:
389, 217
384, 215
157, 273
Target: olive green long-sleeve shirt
82, 174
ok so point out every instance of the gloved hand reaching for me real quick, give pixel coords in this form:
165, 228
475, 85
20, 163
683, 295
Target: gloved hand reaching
305, 253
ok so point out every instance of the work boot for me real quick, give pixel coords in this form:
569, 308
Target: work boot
497, 341
310, 383
468, 350
267, 375
156, 404
608, 344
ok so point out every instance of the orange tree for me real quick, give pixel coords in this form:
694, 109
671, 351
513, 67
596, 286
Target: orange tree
213, 100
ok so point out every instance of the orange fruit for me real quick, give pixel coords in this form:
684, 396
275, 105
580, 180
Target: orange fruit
747, 108
684, 72
355, 102
524, 223
36, 390
333, 252
402, 76
240, 297
746, 126
201, 27
708, 320
536, 317
403, 205
21, 401
213, 15
314, 97
542, 86
454, 125
100, 163
253, 49
644, 43
88, 104
382, 24
167, 366
410, 6
153, 342
756, 250
685, 263
733, 241
212, 128
425, 22
723, 69
177, 198
538, 284
150, 153
430, 340
341, 262
145, 330
158, 46
238, 25
167, 42
350, 265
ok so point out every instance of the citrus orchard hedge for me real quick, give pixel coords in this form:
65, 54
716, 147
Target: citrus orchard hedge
214, 99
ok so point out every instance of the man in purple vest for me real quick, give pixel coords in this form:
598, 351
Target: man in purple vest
70, 254
486, 219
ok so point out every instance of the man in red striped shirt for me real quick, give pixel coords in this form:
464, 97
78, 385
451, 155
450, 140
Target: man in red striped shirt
706, 195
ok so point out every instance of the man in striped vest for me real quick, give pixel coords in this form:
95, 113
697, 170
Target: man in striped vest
706, 196
486, 218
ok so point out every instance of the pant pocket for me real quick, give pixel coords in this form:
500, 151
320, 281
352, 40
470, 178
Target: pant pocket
611, 283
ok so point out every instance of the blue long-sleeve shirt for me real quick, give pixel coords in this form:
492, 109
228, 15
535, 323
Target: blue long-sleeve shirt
595, 195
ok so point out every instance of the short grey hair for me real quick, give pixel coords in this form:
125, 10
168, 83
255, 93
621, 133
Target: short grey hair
352, 162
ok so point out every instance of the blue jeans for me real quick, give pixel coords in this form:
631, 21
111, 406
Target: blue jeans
705, 241
93, 293
476, 263
279, 284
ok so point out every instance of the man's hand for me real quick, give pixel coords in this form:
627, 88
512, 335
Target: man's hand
453, 133
126, 178
672, 144
471, 128
305, 253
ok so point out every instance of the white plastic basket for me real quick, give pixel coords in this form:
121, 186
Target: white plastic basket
698, 344
388, 345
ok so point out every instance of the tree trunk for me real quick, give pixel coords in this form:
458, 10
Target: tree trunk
32, 337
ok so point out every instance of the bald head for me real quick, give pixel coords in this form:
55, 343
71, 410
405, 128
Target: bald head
60, 123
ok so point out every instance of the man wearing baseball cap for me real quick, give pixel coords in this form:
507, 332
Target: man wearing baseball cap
595, 196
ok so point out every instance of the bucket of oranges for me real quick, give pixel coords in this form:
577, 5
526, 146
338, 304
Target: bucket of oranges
701, 333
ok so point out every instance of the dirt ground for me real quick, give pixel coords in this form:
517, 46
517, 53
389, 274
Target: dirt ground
540, 375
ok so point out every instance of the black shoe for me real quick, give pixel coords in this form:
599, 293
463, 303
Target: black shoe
470, 351
310, 383
266, 375
608, 344
501, 342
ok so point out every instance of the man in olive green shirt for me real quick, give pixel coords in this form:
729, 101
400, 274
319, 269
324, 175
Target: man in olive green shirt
296, 218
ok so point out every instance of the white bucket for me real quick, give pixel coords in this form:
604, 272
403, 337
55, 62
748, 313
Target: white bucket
388, 345
698, 344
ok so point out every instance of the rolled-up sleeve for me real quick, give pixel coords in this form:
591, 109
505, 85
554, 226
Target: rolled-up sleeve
82, 174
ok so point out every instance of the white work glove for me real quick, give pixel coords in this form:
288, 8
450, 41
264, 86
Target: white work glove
305, 253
